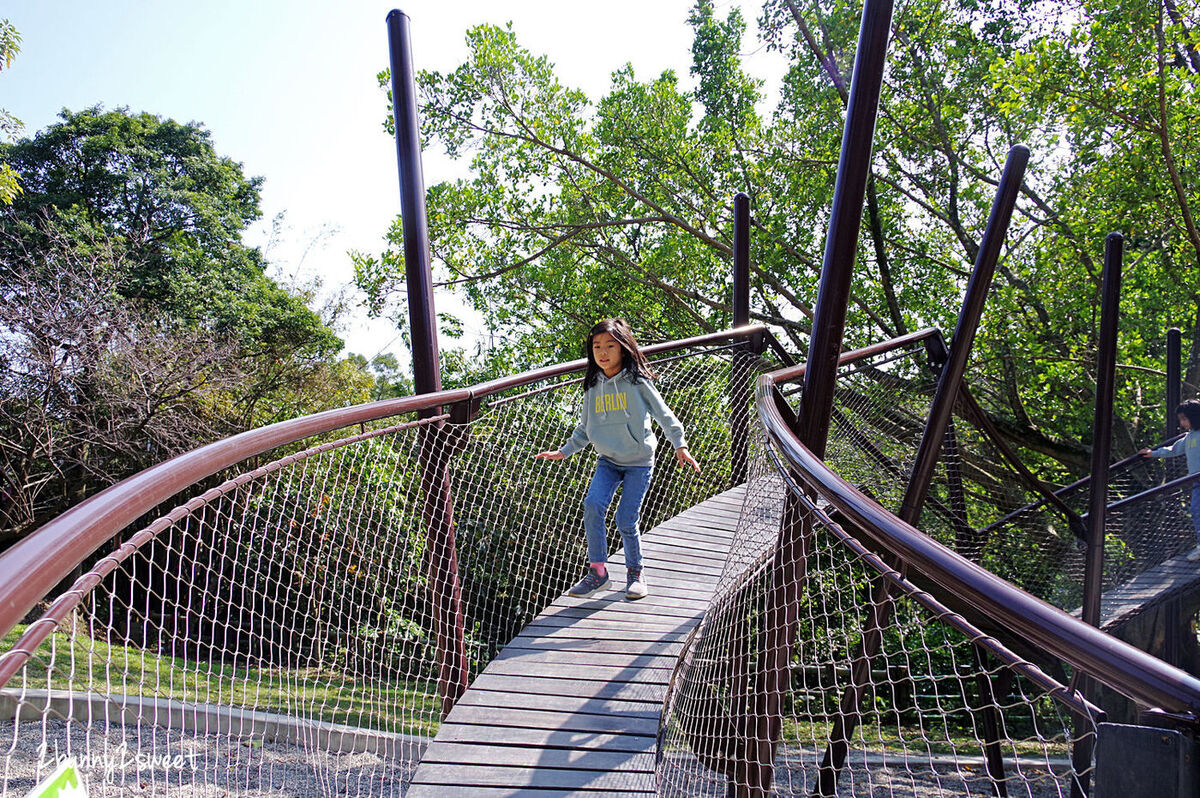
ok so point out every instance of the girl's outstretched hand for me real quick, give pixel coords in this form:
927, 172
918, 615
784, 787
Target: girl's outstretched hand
555, 455
684, 457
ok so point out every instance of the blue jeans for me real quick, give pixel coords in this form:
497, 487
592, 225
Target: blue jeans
609, 475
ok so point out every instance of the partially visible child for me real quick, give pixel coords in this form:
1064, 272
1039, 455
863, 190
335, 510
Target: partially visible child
1189, 419
618, 403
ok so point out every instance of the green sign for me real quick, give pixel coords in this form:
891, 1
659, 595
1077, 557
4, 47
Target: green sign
64, 782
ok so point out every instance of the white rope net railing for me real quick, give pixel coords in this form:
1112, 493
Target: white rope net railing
279, 635
937, 707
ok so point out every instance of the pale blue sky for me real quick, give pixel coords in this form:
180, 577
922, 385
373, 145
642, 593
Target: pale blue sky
288, 89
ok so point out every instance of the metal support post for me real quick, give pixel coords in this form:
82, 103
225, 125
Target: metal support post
1175, 466
927, 453
438, 513
964, 333
825, 343
1174, 380
841, 242
739, 378
1106, 364
1093, 574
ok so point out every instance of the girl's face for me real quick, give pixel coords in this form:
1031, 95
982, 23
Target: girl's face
1184, 423
607, 353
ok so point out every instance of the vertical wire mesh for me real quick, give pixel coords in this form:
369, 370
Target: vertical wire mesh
277, 636
944, 709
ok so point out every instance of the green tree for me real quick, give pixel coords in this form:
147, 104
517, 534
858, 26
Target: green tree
136, 323
10, 126
577, 209
176, 210
388, 377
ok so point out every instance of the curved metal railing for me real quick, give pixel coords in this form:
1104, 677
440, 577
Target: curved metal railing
337, 599
1116, 664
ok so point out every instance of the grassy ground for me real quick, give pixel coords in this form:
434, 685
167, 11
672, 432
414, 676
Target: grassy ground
79, 663
933, 739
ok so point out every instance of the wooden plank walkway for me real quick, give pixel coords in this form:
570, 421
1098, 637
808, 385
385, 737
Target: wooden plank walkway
1168, 580
571, 706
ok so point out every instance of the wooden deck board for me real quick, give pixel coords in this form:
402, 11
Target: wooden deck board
469, 715
440, 791
627, 782
543, 738
563, 685
570, 707
1167, 580
524, 756
619, 644
560, 703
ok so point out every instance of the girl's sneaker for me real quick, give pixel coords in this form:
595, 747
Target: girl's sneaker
635, 588
591, 584
1194, 554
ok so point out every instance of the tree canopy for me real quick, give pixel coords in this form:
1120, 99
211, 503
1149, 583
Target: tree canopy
577, 209
10, 45
176, 212
136, 323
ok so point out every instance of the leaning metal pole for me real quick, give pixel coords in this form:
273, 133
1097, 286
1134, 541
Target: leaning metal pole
739, 388
1174, 380
1093, 572
825, 343
940, 412
1175, 468
951, 378
841, 242
1106, 364
438, 513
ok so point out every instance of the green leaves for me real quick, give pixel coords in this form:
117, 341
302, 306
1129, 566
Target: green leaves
575, 210
10, 45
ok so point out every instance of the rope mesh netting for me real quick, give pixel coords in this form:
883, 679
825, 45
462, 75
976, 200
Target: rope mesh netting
1148, 523
943, 708
980, 507
280, 634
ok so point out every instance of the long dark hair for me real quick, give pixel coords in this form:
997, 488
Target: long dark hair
632, 359
1189, 409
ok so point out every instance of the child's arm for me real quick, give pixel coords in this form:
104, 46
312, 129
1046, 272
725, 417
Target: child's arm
684, 457
669, 423
1174, 450
577, 441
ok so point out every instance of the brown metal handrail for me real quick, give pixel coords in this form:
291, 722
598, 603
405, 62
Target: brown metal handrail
1151, 493
1117, 664
1113, 469
31, 568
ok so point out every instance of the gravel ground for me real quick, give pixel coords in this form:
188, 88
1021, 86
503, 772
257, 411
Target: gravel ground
875, 776
132, 761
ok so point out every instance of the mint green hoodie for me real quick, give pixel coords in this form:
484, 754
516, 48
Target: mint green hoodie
616, 421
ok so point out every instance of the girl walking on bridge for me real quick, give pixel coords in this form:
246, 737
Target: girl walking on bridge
1189, 419
618, 403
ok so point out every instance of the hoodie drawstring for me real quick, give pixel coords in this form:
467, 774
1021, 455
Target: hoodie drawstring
605, 380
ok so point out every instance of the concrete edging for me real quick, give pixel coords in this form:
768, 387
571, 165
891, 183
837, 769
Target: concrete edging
267, 727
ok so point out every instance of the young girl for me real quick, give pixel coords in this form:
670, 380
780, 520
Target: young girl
1188, 414
618, 403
